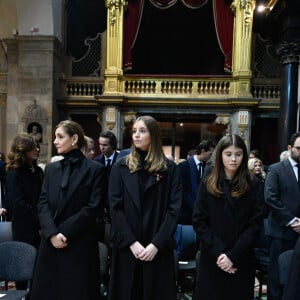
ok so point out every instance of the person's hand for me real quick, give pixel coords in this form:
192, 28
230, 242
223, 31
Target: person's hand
3, 211
232, 270
136, 249
296, 225
148, 253
225, 263
59, 241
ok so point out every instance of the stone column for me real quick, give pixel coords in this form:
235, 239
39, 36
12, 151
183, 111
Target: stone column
241, 52
33, 67
289, 53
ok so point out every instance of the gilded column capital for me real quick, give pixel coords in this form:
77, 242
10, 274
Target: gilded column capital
247, 6
289, 52
113, 6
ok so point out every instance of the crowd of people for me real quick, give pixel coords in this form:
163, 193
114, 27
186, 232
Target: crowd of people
133, 201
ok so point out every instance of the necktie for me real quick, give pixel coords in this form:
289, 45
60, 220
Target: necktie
200, 169
108, 162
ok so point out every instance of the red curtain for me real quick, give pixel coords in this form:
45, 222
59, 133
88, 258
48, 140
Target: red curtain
132, 21
223, 18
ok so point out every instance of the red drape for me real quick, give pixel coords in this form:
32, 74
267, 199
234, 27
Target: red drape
223, 18
132, 21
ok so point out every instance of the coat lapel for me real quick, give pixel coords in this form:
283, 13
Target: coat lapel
132, 184
76, 177
153, 179
289, 171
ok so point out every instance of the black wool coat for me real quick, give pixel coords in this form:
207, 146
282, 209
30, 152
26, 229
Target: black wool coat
148, 216
228, 226
71, 273
23, 189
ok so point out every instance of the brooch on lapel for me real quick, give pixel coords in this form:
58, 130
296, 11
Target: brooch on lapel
158, 176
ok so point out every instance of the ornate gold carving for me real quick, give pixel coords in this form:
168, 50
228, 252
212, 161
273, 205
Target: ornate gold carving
113, 6
247, 6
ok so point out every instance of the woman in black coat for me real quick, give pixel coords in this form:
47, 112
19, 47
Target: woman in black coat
227, 219
68, 260
23, 188
145, 198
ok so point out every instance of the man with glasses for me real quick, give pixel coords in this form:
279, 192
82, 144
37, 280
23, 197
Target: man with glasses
282, 194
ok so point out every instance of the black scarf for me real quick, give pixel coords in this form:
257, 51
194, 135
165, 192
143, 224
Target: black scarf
70, 159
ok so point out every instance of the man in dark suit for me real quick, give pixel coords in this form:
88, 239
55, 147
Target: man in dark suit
107, 145
282, 194
192, 171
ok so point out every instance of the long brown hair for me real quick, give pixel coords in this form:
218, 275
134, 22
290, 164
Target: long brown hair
155, 160
22, 143
241, 181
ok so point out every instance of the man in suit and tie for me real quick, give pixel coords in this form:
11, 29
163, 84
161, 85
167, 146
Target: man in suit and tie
282, 194
107, 145
192, 171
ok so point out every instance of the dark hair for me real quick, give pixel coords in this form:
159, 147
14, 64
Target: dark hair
22, 143
240, 183
112, 138
155, 160
256, 153
206, 145
71, 128
293, 138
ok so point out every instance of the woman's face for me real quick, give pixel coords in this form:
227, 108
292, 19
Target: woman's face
141, 136
63, 142
32, 155
232, 158
257, 168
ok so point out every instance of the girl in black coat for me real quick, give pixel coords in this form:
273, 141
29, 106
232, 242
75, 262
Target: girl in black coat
67, 266
227, 219
23, 188
145, 198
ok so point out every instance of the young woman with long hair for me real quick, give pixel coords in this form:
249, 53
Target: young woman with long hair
227, 219
145, 198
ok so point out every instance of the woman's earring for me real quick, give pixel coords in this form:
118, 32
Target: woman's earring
72, 144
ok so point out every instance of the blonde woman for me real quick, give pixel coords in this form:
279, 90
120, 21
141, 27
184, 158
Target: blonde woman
255, 167
145, 198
